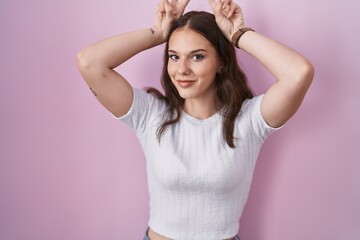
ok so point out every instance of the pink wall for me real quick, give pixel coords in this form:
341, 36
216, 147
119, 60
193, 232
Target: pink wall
69, 171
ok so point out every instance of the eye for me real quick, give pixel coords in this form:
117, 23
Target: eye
197, 57
173, 57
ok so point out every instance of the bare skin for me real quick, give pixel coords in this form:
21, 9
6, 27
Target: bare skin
293, 73
97, 62
193, 58
155, 236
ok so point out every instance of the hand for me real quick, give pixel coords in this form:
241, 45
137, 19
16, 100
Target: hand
168, 11
228, 16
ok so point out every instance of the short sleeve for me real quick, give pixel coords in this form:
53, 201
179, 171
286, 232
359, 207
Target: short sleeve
261, 128
144, 109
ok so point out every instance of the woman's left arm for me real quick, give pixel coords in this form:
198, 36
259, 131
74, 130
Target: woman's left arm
292, 71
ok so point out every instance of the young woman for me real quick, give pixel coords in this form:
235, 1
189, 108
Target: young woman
202, 138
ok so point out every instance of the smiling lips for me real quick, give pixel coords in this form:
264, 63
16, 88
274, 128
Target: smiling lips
185, 83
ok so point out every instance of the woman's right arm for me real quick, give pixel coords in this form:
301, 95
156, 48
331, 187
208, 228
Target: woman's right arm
97, 62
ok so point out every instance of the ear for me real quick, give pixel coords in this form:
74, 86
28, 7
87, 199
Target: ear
219, 68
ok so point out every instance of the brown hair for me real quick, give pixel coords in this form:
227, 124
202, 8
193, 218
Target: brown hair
230, 83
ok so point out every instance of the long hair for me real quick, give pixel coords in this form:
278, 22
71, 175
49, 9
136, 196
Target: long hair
230, 83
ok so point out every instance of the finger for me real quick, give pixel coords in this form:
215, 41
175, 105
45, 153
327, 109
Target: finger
168, 6
213, 3
225, 10
176, 7
184, 3
232, 10
160, 12
225, 3
180, 7
216, 7
173, 4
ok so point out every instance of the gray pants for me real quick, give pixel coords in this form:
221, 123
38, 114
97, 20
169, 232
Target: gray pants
146, 237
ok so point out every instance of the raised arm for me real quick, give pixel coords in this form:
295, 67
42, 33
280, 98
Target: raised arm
96, 62
292, 71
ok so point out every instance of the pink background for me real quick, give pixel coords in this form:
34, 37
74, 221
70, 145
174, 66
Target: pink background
68, 170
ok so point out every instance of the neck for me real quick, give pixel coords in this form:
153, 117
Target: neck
202, 108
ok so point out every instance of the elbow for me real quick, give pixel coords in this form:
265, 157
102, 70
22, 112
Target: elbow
309, 72
89, 62
83, 60
88, 67
305, 75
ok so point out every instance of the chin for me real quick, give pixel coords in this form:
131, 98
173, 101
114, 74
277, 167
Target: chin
185, 94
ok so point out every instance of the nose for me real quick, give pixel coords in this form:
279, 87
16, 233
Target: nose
183, 67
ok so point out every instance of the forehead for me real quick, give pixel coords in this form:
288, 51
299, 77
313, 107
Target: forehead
186, 40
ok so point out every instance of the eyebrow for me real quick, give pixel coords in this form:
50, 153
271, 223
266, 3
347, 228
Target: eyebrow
192, 52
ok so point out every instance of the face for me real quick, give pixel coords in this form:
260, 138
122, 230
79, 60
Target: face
193, 64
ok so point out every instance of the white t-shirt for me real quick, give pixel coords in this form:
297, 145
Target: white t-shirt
198, 185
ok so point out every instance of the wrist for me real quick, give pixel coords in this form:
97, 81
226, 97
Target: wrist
238, 34
158, 35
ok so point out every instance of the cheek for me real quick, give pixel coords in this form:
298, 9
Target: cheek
212, 71
171, 70
208, 72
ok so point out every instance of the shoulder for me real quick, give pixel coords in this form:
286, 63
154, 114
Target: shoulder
251, 104
147, 100
145, 109
250, 116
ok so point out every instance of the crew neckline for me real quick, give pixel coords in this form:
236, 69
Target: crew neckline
208, 120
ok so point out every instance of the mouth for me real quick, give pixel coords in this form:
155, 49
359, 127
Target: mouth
185, 83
